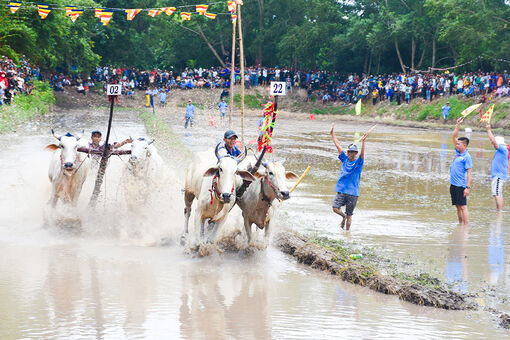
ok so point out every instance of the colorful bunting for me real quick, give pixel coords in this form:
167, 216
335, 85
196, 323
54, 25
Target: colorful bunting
201, 9
234, 17
210, 15
168, 10
186, 16
488, 115
154, 12
75, 13
14, 6
98, 12
69, 9
105, 16
131, 13
231, 7
43, 10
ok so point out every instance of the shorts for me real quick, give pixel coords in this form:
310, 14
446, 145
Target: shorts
497, 186
457, 194
349, 201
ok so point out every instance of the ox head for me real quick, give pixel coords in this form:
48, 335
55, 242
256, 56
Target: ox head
68, 144
226, 171
276, 177
140, 151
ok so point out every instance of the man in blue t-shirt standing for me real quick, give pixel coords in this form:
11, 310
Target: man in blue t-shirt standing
499, 166
190, 113
347, 187
446, 111
460, 175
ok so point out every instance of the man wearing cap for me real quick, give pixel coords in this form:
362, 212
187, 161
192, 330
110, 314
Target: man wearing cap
347, 187
460, 175
95, 145
190, 112
229, 148
499, 166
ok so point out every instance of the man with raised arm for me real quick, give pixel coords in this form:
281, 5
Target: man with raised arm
460, 174
499, 166
347, 187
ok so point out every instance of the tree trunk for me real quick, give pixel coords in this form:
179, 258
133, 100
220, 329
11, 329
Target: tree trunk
365, 66
413, 52
211, 47
261, 30
434, 51
399, 56
422, 55
370, 63
222, 45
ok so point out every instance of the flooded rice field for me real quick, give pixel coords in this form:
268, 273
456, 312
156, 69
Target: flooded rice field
113, 279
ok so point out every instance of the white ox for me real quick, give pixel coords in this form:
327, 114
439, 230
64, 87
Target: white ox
214, 187
68, 168
257, 200
144, 160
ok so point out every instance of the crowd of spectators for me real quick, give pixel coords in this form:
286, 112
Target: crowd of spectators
16, 79
327, 87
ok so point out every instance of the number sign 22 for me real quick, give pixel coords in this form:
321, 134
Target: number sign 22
278, 88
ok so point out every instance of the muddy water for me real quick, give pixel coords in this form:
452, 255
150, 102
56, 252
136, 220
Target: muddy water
112, 281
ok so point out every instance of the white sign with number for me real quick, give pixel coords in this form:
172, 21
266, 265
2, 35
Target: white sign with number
114, 89
278, 88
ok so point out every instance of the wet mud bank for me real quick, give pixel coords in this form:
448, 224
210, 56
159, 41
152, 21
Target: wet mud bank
329, 256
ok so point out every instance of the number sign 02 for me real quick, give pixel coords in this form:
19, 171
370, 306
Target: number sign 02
278, 88
113, 90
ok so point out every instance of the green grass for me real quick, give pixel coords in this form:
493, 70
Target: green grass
24, 107
197, 105
252, 101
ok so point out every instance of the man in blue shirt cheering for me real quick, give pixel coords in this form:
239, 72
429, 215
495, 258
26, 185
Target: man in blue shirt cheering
347, 187
499, 166
460, 175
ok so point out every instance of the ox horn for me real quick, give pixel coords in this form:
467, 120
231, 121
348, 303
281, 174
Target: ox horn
78, 137
55, 135
152, 141
242, 156
216, 150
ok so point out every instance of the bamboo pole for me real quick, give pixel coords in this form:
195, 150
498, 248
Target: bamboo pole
241, 63
300, 178
232, 74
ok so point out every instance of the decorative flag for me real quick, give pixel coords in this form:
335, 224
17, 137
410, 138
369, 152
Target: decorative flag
75, 13
266, 128
105, 16
210, 15
14, 6
469, 110
131, 13
234, 17
168, 10
358, 107
488, 115
43, 10
98, 12
154, 12
201, 9
186, 16
69, 9
231, 6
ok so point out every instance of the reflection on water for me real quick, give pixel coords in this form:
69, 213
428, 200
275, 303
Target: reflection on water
456, 265
496, 250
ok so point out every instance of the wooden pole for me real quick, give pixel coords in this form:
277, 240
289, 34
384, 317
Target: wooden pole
241, 63
232, 74
300, 178
104, 158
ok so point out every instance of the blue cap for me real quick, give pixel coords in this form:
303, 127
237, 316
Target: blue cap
229, 134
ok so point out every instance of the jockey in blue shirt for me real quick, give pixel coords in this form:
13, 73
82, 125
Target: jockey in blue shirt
229, 148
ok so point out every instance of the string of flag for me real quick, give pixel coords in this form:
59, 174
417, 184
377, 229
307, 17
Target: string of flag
105, 14
457, 66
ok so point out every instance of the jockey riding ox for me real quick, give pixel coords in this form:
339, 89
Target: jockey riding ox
214, 187
68, 168
256, 202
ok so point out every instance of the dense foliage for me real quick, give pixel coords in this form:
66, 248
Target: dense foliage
372, 36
